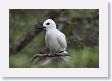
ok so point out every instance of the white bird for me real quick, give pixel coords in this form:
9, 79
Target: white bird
55, 40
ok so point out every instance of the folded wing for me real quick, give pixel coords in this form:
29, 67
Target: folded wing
62, 41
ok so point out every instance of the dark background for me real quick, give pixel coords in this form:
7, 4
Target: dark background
81, 27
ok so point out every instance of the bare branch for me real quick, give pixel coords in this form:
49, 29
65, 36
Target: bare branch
44, 57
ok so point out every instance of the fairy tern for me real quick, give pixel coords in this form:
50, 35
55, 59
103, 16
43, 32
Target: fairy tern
55, 40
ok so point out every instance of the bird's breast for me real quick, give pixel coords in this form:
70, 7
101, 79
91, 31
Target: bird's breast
51, 41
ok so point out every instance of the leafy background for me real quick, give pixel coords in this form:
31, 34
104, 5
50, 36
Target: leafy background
82, 34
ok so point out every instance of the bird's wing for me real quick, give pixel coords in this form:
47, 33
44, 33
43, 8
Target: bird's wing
62, 41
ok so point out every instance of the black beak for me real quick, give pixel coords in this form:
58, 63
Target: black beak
39, 27
43, 27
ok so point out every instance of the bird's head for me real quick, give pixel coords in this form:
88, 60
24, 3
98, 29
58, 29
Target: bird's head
48, 24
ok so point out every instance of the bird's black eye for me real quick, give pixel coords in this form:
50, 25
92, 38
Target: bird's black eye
47, 23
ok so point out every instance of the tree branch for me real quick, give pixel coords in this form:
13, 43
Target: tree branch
47, 55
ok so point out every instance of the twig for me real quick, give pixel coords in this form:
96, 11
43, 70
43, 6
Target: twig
48, 55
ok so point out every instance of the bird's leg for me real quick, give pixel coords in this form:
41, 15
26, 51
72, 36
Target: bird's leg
51, 53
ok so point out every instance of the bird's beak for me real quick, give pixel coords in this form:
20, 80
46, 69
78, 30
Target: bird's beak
40, 27
43, 27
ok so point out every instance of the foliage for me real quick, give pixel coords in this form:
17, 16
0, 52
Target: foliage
82, 34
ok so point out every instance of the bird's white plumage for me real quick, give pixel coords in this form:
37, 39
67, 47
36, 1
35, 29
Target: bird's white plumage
55, 40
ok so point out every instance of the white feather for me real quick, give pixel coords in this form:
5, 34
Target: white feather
55, 40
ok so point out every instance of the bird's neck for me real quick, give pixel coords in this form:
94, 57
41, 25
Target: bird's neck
51, 29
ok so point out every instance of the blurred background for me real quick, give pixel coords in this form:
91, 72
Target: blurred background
80, 26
